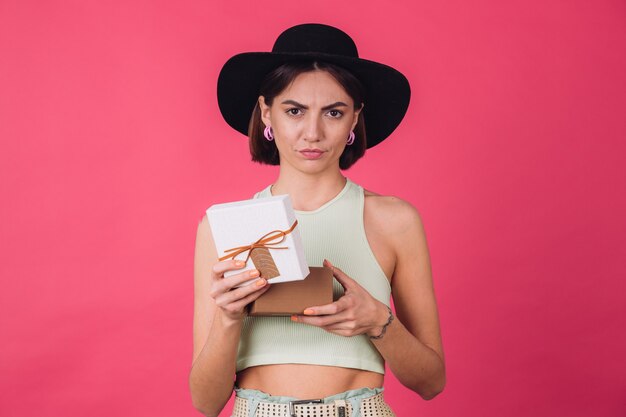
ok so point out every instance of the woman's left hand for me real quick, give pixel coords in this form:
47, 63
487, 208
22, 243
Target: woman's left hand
355, 312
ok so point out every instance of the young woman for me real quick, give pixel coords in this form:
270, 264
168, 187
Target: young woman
312, 106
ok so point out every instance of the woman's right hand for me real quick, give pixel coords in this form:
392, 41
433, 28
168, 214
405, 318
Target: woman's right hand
232, 300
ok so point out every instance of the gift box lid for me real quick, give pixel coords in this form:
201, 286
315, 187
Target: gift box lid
242, 223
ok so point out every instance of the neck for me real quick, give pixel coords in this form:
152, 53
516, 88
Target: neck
309, 191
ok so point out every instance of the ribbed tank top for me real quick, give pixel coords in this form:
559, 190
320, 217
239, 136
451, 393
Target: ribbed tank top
334, 231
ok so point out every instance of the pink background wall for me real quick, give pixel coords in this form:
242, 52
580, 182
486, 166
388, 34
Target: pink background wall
112, 147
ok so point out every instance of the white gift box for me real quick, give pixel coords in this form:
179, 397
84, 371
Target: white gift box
238, 225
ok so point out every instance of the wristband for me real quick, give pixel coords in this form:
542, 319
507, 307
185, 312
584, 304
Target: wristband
389, 320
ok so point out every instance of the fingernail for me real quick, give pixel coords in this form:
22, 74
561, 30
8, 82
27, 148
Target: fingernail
261, 282
255, 273
294, 318
240, 263
308, 311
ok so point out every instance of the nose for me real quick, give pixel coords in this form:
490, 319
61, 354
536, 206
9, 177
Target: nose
313, 129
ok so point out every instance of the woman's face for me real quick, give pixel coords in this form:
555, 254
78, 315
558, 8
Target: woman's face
311, 120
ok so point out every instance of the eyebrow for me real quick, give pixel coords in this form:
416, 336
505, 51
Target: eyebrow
330, 106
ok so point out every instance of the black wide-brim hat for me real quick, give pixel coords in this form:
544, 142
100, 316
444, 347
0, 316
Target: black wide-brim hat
387, 91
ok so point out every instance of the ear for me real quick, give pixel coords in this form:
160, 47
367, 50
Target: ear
265, 111
356, 116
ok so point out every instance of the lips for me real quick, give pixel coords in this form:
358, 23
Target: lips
311, 153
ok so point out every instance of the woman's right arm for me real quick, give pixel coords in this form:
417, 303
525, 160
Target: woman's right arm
219, 309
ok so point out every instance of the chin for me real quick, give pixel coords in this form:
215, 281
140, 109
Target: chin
313, 167
314, 170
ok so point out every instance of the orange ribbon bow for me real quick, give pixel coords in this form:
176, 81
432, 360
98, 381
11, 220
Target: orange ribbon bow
264, 242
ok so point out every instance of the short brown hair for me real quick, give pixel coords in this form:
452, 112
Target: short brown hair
264, 151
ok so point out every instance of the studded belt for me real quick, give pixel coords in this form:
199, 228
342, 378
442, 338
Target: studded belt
374, 406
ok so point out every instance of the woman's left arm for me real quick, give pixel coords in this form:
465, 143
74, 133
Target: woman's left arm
411, 344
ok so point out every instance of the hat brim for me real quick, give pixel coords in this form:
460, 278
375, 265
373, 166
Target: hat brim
387, 90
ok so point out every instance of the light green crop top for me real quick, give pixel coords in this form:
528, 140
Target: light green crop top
334, 231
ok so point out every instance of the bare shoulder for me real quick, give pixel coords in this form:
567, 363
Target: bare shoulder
397, 216
394, 230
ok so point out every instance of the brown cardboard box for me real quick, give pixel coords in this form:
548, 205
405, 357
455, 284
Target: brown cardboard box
287, 298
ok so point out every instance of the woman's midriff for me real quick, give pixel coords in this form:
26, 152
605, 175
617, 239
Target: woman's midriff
306, 381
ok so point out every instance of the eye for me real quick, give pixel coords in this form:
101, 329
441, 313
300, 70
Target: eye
294, 111
335, 114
